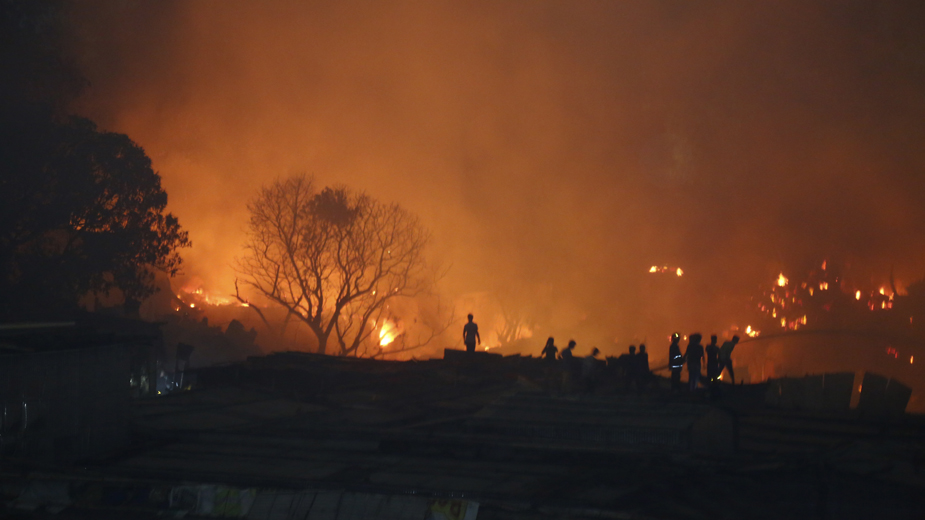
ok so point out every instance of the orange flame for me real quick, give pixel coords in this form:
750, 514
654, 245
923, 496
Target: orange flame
388, 333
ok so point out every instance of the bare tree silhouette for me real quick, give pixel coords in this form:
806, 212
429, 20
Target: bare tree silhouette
333, 258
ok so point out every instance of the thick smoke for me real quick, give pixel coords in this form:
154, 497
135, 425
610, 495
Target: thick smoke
555, 149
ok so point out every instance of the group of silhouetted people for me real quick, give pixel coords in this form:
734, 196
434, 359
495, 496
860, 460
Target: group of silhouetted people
585, 370
718, 358
633, 367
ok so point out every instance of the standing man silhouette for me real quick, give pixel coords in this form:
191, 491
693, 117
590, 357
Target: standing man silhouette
694, 357
725, 358
675, 362
471, 335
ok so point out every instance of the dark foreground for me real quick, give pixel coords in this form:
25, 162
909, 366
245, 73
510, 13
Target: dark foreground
295, 436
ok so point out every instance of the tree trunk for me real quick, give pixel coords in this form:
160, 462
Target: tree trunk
322, 342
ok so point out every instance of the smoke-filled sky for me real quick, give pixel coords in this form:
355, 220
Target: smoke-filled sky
556, 150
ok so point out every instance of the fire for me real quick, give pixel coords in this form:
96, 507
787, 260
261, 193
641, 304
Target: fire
857, 295
752, 333
665, 269
782, 280
203, 297
388, 333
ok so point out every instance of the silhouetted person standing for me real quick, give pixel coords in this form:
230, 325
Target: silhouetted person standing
725, 358
471, 335
566, 354
675, 361
627, 366
643, 374
712, 360
694, 357
589, 368
549, 351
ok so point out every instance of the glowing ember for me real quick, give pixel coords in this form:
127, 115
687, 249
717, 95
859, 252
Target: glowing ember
783, 322
679, 272
882, 290
823, 265
910, 359
653, 269
857, 295
752, 333
782, 280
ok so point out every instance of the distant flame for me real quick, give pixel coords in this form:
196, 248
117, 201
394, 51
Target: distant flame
665, 269
388, 333
857, 295
782, 280
752, 333
206, 297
